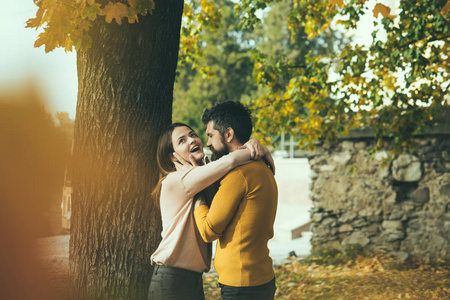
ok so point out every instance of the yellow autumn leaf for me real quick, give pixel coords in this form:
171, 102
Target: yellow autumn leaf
83, 2
132, 13
132, 17
339, 3
68, 45
445, 9
382, 9
116, 11
312, 35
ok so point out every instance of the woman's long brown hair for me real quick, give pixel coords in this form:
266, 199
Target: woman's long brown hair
163, 157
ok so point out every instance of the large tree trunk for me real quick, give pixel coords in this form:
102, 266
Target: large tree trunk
124, 101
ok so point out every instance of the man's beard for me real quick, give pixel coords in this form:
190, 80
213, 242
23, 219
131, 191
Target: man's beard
216, 154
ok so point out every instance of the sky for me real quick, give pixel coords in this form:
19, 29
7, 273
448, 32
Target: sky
56, 72
20, 63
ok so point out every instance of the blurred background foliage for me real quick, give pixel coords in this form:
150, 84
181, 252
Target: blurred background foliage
294, 61
295, 64
229, 57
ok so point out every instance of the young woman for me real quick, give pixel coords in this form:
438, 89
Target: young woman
182, 255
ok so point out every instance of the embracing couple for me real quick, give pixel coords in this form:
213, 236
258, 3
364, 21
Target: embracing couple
232, 199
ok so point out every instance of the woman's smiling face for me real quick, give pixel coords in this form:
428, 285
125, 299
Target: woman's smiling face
186, 142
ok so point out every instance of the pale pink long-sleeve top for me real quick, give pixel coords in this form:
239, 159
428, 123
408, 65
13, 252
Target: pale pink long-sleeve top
181, 245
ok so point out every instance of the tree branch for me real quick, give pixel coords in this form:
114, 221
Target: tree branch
431, 39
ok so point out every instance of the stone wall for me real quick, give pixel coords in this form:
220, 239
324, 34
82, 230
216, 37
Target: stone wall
400, 206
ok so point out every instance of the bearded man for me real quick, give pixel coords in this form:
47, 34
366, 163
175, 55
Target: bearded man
242, 212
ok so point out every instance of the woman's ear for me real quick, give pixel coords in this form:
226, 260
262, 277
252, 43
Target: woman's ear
172, 158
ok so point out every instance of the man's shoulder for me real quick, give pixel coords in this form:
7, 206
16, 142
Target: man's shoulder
240, 171
255, 165
248, 168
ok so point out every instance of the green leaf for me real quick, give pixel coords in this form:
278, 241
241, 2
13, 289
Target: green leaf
144, 6
82, 43
91, 12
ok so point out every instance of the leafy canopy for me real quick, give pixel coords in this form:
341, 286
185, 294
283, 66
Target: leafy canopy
224, 69
397, 85
218, 68
66, 23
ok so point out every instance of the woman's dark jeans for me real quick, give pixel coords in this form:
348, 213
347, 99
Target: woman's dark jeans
175, 283
260, 292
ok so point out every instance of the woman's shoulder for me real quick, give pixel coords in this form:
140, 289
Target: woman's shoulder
174, 178
173, 185
171, 178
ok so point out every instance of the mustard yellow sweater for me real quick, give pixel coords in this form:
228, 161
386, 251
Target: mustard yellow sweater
241, 217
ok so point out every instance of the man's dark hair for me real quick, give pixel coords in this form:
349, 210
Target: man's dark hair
230, 114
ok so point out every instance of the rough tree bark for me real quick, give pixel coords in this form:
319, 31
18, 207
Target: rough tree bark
124, 101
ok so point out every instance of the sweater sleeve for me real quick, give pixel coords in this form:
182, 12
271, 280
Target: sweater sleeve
197, 179
211, 222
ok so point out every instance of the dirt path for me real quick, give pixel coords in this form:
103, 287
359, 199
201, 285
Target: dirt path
53, 253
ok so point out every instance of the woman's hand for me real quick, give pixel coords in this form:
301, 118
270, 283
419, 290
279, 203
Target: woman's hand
181, 164
258, 151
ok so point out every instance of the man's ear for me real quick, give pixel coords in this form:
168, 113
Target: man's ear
229, 134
